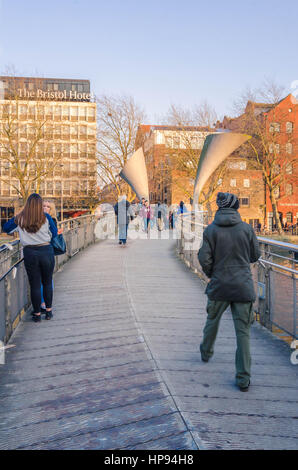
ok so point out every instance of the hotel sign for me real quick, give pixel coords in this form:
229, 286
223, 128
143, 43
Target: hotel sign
68, 95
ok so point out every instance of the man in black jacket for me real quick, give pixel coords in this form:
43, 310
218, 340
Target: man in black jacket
229, 246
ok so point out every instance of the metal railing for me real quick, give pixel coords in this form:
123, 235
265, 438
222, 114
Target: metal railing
274, 275
15, 300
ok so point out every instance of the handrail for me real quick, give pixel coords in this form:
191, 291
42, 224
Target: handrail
279, 266
269, 241
11, 268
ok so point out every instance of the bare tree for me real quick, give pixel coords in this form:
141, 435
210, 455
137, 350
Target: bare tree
118, 120
27, 152
189, 131
202, 114
269, 92
271, 148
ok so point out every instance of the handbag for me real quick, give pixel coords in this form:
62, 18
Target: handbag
58, 244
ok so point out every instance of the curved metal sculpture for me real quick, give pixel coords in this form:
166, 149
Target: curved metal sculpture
134, 173
217, 147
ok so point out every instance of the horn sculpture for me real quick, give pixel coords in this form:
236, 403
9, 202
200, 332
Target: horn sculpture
134, 173
217, 147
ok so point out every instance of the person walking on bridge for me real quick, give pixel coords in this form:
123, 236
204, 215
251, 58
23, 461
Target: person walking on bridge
36, 229
123, 212
229, 246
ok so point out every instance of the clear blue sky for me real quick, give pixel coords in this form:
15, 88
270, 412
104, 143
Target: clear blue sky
160, 51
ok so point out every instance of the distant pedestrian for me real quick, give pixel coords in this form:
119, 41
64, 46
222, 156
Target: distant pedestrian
158, 215
36, 229
147, 214
182, 209
229, 246
123, 212
164, 211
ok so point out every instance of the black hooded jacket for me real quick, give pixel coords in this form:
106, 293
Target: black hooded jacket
229, 246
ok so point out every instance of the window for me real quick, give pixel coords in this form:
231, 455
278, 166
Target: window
289, 168
82, 112
57, 111
74, 167
48, 110
74, 131
83, 131
276, 169
246, 183
65, 131
194, 142
91, 131
75, 187
65, 112
274, 127
273, 147
84, 186
23, 109
233, 182
237, 165
289, 127
276, 192
83, 168
289, 217
91, 112
169, 142
289, 189
244, 201
74, 112
49, 187
83, 149
289, 148
66, 187
58, 186
74, 150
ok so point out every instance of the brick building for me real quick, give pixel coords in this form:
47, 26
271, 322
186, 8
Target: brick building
281, 134
161, 145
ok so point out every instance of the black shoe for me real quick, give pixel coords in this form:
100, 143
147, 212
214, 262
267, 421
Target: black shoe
49, 315
244, 389
36, 318
42, 310
204, 359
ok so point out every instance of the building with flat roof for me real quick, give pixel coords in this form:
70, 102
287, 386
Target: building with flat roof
47, 142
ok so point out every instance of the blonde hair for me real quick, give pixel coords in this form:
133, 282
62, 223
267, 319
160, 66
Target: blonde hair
52, 212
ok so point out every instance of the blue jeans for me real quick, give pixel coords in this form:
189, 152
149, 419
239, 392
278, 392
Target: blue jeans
41, 292
122, 233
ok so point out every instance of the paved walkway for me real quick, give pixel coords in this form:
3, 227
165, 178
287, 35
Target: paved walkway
118, 367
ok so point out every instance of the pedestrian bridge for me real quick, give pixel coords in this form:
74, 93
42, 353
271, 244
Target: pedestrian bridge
119, 366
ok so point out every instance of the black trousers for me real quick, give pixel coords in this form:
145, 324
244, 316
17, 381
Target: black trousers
39, 263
